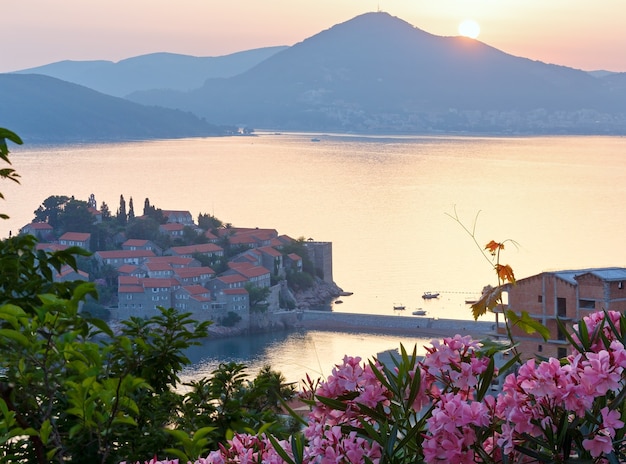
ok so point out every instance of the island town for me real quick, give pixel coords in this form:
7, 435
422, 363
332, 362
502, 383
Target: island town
255, 279
240, 278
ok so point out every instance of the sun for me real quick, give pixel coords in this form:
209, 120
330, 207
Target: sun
469, 28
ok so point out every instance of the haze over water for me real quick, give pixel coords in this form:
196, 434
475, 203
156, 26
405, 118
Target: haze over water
383, 202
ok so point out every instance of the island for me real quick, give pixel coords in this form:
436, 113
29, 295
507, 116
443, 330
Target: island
243, 279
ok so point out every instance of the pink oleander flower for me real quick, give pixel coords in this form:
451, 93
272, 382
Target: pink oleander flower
450, 434
244, 448
596, 323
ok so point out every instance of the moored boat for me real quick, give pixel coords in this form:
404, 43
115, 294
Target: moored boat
430, 295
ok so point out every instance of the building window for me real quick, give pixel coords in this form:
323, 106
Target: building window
561, 352
561, 307
587, 304
540, 348
620, 285
540, 299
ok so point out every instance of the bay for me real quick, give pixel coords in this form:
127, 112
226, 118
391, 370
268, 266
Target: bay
384, 202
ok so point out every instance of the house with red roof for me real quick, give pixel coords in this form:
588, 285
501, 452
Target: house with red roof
41, 230
207, 249
175, 261
79, 239
256, 275
179, 217
271, 259
293, 261
173, 229
141, 297
67, 274
118, 258
138, 244
160, 270
194, 275
194, 299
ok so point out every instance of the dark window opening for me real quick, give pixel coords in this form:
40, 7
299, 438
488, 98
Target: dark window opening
587, 304
561, 352
561, 307
540, 299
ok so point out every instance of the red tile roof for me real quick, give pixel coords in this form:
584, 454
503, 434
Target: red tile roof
39, 226
121, 254
130, 289
235, 291
159, 283
202, 248
135, 242
172, 226
75, 236
232, 278
186, 272
176, 261
127, 269
51, 247
268, 250
150, 266
128, 280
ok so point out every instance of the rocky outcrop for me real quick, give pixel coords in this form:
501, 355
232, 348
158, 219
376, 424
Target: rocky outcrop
319, 295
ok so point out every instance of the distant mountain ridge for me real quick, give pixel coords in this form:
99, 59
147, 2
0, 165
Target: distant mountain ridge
378, 73
374, 73
152, 71
43, 109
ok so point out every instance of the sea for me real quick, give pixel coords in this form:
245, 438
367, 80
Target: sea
405, 214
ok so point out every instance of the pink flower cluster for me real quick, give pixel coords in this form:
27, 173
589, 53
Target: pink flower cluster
541, 397
580, 398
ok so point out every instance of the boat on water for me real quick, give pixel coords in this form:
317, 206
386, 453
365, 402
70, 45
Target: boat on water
419, 312
315, 139
430, 295
399, 307
338, 301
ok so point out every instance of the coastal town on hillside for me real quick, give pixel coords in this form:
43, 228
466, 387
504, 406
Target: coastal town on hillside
245, 279
143, 276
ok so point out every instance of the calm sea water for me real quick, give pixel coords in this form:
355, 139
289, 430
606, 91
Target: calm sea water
384, 202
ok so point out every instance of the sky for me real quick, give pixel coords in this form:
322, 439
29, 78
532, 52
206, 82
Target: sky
582, 34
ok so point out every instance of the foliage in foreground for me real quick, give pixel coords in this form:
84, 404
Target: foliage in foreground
72, 390
442, 408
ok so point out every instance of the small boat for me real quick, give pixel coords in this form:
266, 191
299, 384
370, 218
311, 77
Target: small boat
399, 307
419, 312
430, 295
338, 301
315, 139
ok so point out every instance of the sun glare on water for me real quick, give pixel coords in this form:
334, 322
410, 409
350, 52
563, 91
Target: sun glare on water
469, 28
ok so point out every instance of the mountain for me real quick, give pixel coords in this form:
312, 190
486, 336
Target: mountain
44, 109
378, 73
153, 71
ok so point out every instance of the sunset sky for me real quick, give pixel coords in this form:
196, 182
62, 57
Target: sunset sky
577, 33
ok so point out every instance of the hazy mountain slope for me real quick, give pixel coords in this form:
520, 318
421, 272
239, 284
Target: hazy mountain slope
44, 109
153, 71
377, 72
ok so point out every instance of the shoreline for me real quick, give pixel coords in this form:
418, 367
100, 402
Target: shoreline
398, 325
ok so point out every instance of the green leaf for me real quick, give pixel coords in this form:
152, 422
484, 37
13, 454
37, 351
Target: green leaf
279, 449
528, 324
15, 336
